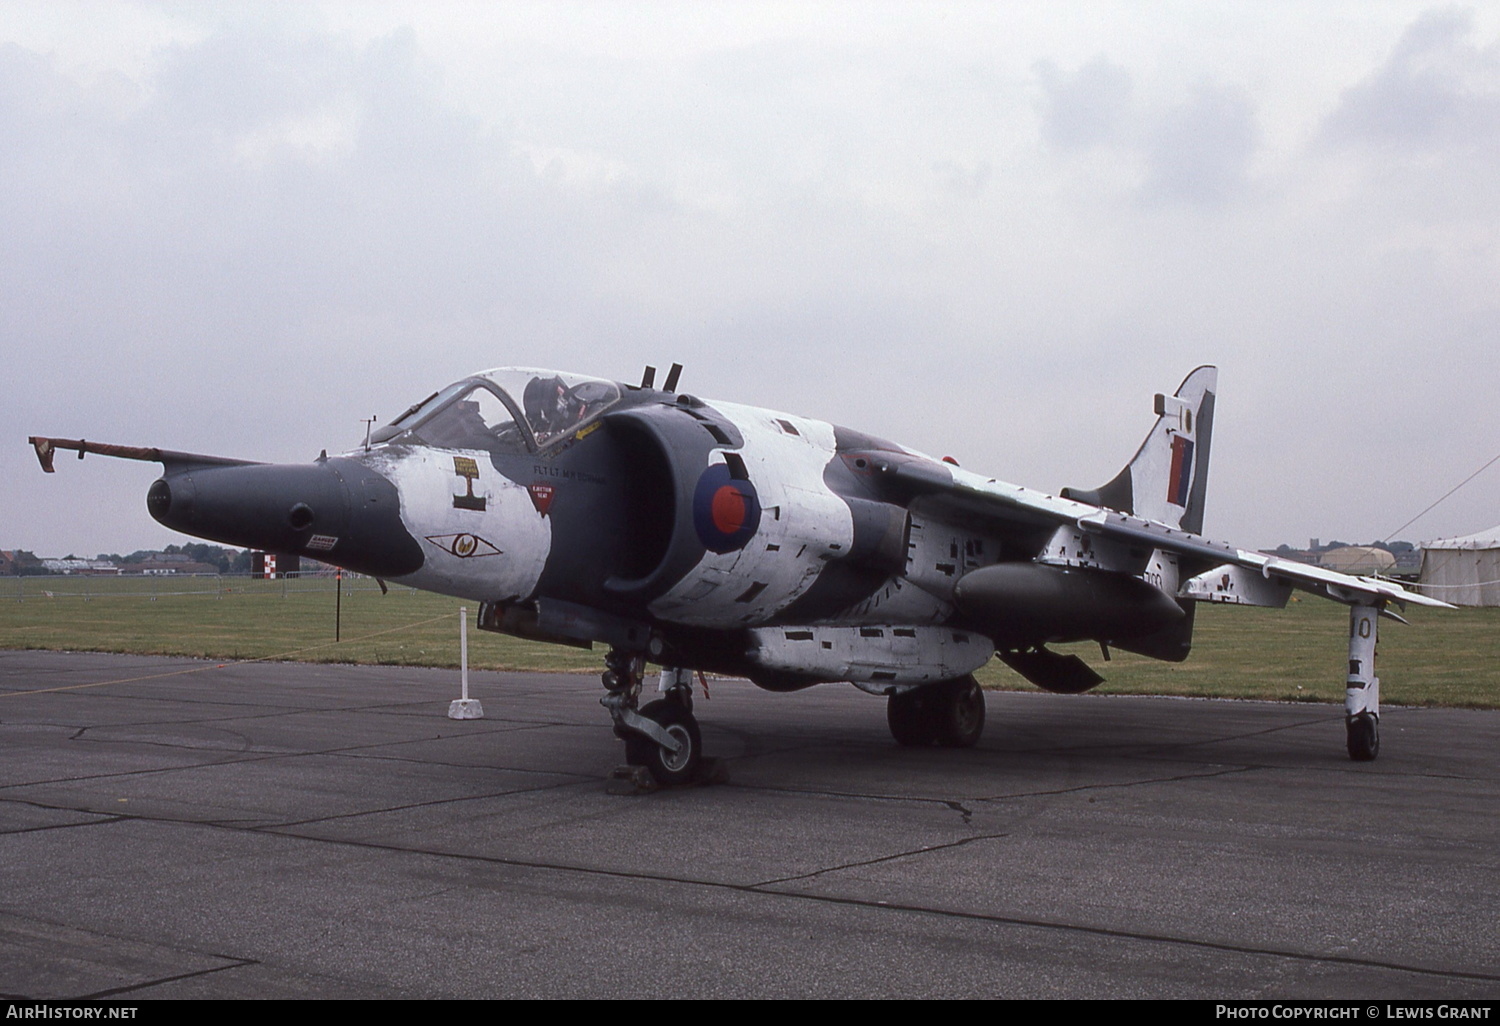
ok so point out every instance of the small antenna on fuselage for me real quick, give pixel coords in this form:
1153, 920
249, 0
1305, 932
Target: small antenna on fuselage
369, 422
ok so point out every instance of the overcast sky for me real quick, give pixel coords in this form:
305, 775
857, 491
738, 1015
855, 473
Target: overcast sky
986, 230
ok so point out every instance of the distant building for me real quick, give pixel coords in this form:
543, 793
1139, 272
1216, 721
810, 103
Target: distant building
1408, 561
80, 567
1358, 560
158, 567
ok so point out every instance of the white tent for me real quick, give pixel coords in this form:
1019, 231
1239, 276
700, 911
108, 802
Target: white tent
1464, 571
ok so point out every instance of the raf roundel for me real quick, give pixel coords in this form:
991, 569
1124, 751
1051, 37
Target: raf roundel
726, 510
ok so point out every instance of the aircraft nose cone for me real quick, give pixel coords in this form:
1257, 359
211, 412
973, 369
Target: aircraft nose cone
338, 511
159, 498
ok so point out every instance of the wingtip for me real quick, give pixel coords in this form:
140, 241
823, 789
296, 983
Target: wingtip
44, 452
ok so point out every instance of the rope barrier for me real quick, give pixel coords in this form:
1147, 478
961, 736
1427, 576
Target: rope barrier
1437, 587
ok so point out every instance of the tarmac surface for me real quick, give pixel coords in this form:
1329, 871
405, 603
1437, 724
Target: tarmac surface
285, 831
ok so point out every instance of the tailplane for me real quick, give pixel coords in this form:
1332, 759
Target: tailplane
1167, 480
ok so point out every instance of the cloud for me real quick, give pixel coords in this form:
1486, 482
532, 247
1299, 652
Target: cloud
1196, 151
1436, 89
1200, 151
262, 177
961, 179
1085, 109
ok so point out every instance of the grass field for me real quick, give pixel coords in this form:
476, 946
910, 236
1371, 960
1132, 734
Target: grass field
1294, 654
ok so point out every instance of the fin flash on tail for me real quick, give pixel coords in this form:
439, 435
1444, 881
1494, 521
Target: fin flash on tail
1167, 479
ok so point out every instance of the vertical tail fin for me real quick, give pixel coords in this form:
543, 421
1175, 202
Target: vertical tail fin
1167, 480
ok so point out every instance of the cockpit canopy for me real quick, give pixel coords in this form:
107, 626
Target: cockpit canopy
511, 409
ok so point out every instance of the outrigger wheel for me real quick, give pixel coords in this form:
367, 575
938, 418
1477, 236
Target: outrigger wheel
949, 713
1364, 737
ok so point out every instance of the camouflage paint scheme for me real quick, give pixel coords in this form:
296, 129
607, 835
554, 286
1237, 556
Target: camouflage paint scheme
714, 536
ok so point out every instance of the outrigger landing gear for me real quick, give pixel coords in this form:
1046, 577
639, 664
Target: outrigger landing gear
663, 736
949, 713
1362, 691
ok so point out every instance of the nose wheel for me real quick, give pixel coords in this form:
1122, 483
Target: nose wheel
662, 737
666, 766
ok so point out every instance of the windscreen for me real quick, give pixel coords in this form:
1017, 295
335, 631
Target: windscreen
506, 410
474, 417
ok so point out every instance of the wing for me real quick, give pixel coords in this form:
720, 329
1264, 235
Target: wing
1213, 571
46, 450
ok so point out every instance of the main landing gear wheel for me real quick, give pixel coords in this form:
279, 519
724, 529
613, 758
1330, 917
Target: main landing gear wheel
910, 718
959, 717
949, 713
1364, 737
668, 767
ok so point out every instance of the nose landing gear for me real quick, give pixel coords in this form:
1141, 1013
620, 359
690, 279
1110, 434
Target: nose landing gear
666, 765
662, 738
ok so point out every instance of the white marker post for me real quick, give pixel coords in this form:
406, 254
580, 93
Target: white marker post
464, 708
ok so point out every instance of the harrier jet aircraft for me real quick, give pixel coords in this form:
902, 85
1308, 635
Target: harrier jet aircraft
710, 536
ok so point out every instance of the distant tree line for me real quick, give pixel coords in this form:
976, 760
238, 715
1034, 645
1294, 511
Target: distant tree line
1395, 548
226, 561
